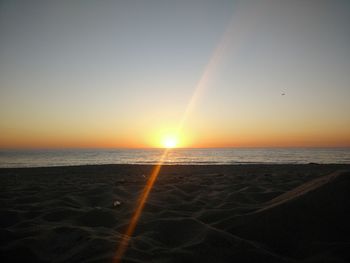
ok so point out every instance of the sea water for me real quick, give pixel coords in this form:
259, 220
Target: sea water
68, 157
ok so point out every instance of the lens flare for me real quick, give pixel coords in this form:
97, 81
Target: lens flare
233, 32
123, 245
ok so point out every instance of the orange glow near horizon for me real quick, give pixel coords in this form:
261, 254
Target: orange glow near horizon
213, 138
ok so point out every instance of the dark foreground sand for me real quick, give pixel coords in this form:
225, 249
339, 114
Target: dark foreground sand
247, 213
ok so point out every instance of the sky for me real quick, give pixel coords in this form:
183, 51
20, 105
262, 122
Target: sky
217, 73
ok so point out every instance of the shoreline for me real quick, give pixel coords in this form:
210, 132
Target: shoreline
120, 165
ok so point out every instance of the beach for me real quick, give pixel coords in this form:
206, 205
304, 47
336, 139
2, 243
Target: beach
194, 213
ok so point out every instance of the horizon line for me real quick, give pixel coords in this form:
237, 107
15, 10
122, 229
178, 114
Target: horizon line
175, 148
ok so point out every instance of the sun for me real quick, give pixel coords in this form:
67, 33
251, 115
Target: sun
170, 142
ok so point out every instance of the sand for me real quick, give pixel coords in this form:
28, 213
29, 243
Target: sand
244, 213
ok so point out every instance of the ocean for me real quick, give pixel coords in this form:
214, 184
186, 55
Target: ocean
69, 157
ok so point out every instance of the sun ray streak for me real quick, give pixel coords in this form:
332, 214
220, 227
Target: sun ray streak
215, 59
231, 39
233, 30
123, 245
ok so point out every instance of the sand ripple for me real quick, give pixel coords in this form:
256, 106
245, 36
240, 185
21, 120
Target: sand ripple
248, 213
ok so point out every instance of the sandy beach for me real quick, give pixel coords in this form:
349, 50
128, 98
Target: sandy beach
242, 213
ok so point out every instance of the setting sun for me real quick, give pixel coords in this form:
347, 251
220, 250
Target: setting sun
170, 142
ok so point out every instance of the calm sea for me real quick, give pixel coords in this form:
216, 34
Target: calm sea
66, 157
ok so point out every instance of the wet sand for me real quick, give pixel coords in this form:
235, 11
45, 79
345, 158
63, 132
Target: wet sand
243, 213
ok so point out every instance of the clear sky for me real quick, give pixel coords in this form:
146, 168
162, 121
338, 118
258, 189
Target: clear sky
128, 73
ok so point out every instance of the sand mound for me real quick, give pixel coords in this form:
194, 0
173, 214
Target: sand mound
310, 221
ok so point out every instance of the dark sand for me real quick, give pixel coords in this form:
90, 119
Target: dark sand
247, 213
